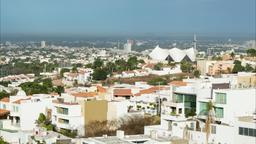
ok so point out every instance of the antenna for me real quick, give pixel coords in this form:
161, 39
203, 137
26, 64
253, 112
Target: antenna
194, 41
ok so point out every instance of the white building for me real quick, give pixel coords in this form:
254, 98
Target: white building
43, 44
25, 110
68, 116
174, 54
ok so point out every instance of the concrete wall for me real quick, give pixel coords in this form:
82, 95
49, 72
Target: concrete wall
95, 110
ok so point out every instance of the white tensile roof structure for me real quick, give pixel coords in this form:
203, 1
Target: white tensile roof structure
174, 54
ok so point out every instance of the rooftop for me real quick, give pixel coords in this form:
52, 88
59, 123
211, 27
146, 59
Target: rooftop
122, 92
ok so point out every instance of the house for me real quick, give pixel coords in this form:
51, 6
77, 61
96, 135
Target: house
68, 116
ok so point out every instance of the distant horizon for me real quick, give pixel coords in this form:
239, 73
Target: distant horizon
173, 36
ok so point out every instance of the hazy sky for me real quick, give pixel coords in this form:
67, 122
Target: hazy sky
127, 16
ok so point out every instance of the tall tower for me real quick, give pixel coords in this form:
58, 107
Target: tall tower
194, 41
43, 44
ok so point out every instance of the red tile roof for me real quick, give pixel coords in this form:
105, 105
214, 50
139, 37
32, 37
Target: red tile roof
84, 94
4, 112
178, 83
101, 89
122, 92
150, 90
5, 99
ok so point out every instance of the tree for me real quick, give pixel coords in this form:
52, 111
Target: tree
4, 94
132, 63
158, 66
2, 141
41, 119
196, 73
59, 89
209, 119
237, 67
186, 66
63, 70
74, 69
98, 63
232, 54
251, 52
248, 68
99, 74
157, 81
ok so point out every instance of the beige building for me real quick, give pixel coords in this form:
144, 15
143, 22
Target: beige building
246, 79
95, 110
213, 68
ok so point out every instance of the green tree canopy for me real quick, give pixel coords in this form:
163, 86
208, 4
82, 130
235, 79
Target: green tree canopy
237, 67
196, 73
157, 81
98, 63
251, 52
99, 74
186, 66
63, 70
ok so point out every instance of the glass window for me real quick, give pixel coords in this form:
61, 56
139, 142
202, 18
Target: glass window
246, 131
213, 129
203, 106
254, 132
220, 98
192, 126
250, 132
219, 112
62, 110
65, 121
4, 106
241, 130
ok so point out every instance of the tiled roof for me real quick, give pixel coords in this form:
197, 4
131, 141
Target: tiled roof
178, 83
149, 90
122, 92
84, 94
5, 99
4, 112
101, 89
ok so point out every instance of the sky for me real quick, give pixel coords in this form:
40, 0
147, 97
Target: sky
103, 17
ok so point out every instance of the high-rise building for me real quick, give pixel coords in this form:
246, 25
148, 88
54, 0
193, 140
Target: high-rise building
128, 46
43, 45
194, 41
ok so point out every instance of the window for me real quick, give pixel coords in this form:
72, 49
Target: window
250, 132
220, 98
64, 121
213, 129
241, 130
246, 131
4, 106
180, 110
219, 112
192, 126
61, 110
203, 106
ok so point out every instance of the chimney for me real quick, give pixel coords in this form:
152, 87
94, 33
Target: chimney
120, 134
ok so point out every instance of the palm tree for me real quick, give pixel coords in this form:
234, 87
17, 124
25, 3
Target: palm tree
209, 120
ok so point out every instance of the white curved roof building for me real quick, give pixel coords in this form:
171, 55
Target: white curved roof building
174, 54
